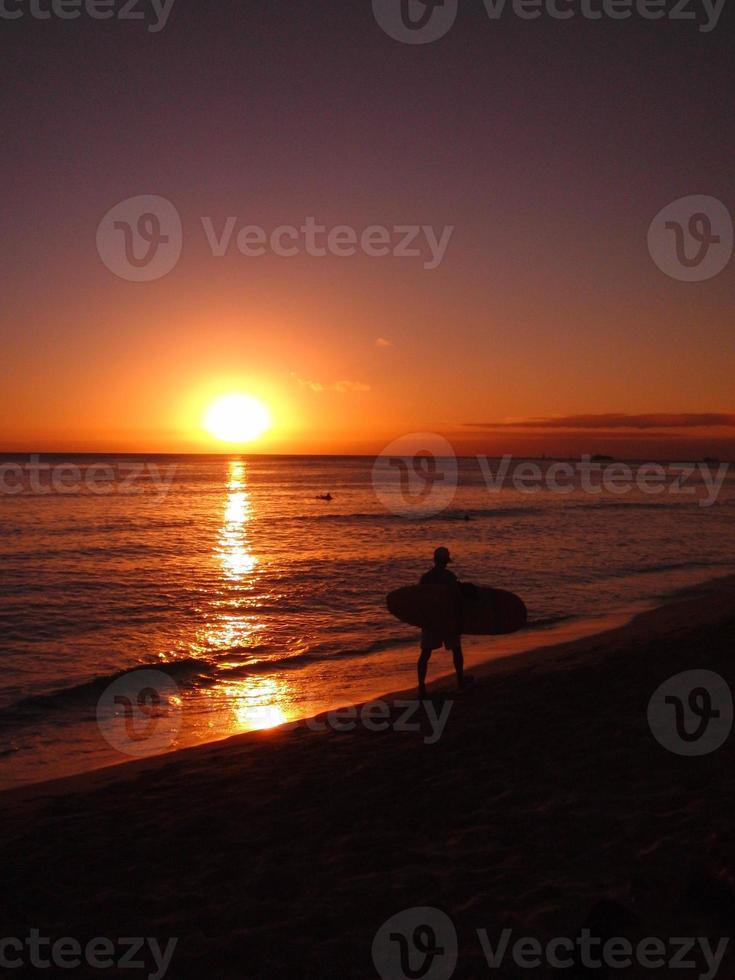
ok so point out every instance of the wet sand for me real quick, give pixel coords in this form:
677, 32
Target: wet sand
546, 805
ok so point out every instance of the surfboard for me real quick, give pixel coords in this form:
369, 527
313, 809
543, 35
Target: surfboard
473, 610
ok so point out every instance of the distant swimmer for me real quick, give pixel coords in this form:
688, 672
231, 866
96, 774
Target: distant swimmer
430, 640
324, 496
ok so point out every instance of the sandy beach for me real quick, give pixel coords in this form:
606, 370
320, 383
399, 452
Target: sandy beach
545, 806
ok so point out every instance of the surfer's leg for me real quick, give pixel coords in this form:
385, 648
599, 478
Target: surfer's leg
422, 667
458, 663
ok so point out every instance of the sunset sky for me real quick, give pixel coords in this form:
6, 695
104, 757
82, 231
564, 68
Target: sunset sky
548, 145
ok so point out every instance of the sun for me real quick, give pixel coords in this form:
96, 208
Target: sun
237, 418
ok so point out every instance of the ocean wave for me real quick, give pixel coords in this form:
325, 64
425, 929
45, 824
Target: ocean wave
87, 693
691, 503
190, 673
674, 566
381, 517
186, 672
540, 624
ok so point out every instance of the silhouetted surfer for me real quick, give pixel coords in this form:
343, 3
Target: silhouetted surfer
430, 640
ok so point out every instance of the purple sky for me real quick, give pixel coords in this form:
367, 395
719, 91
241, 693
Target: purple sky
548, 145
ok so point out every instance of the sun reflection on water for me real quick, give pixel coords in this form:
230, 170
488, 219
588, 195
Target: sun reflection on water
257, 703
239, 703
234, 548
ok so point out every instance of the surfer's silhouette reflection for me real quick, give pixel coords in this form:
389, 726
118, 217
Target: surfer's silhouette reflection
431, 640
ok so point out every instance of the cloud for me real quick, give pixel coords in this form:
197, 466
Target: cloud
341, 386
306, 383
382, 342
618, 421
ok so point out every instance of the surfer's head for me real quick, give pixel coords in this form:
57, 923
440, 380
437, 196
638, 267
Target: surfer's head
442, 557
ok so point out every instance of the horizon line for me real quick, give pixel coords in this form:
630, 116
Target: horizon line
280, 455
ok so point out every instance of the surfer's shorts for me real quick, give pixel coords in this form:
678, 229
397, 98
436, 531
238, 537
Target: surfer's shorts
432, 641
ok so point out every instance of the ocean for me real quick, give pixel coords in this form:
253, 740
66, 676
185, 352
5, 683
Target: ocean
258, 602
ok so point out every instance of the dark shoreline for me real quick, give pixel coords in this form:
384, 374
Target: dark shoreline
546, 804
